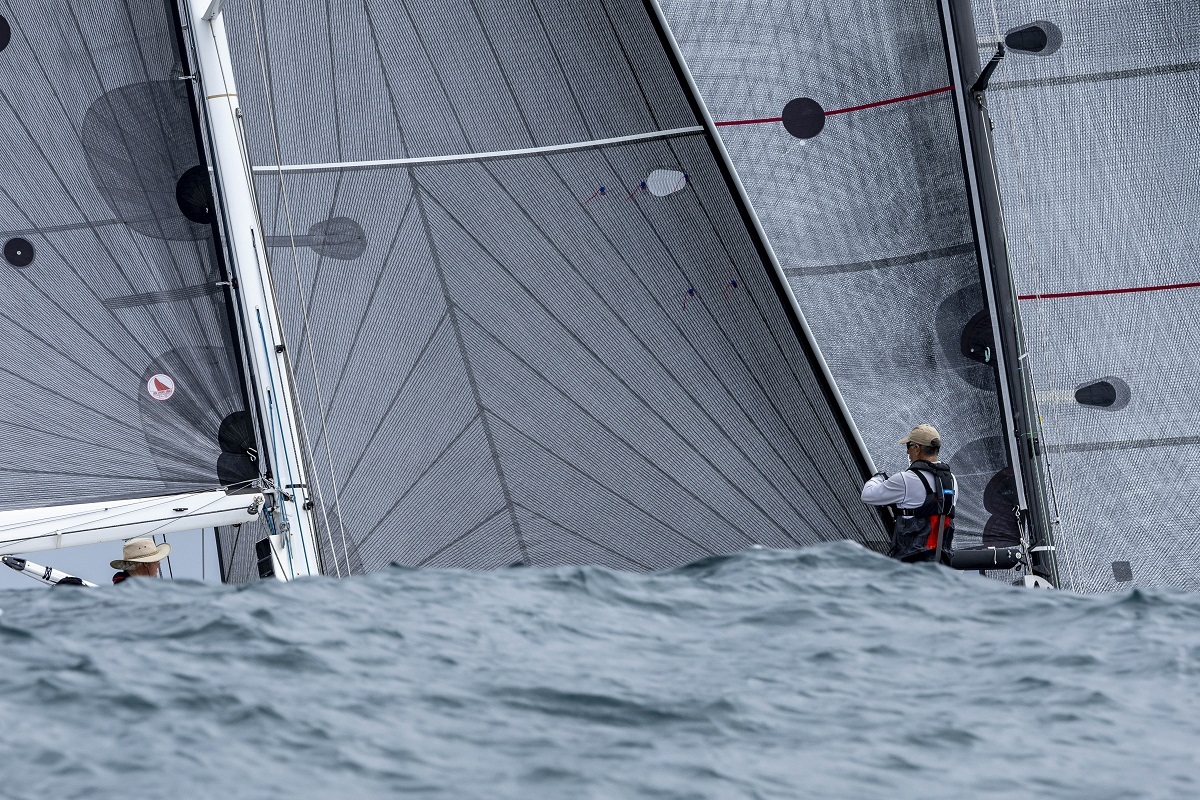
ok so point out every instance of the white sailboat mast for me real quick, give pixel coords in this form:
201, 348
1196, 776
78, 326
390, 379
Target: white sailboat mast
294, 537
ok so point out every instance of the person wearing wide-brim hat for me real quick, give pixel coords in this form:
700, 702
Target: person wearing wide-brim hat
923, 496
140, 559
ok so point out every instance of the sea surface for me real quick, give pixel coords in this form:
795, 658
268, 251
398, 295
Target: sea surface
829, 672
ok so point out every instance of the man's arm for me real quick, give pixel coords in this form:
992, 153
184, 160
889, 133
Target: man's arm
884, 491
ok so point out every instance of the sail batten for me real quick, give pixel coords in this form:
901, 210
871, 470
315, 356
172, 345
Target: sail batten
483, 156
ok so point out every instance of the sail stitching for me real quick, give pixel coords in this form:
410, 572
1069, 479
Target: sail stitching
357, 548
106, 98
766, 325
452, 308
622, 381
609, 489
369, 305
460, 538
487, 37
462, 129
650, 351
605, 426
698, 352
412, 370
577, 535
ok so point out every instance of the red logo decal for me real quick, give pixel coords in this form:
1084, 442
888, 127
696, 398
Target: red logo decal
160, 386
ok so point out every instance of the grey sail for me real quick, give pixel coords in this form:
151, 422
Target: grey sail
1094, 110
839, 119
577, 352
119, 366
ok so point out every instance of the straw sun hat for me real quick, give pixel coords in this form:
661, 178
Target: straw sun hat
141, 551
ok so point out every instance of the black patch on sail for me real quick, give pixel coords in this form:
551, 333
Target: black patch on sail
339, 237
1038, 38
193, 194
1122, 571
1000, 500
236, 464
140, 147
803, 117
236, 434
5, 32
19, 252
965, 332
977, 342
238, 471
187, 431
262, 553
1109, 393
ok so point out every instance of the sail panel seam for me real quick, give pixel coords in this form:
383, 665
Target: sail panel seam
650, 351
453, 311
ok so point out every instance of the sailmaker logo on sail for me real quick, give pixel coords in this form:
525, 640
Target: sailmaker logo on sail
160, 386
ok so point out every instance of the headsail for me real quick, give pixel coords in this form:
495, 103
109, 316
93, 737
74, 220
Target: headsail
1094, 110
528, 318
842, 126
119, 377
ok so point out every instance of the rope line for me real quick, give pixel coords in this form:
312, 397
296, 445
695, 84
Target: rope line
306, 329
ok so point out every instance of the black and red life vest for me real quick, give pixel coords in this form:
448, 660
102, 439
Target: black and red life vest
915, 536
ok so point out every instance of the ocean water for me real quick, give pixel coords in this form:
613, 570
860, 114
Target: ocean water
826, 673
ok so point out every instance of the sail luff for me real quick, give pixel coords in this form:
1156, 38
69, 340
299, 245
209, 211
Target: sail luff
265, 342
764, 244
842, 129
1020, 422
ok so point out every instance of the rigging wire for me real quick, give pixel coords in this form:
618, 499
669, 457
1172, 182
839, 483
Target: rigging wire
249, 176
277, 423
306, 329
170, 571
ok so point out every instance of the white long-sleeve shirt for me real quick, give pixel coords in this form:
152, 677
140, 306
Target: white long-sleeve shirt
903, 490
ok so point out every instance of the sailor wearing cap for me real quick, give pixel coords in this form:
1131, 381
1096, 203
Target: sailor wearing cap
140, 559
923, 496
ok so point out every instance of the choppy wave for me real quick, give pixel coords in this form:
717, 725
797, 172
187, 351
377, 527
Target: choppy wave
828, 672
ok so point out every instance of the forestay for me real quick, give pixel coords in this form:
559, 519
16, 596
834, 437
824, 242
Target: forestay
1095, 139
119, 376
528, 317
840, 121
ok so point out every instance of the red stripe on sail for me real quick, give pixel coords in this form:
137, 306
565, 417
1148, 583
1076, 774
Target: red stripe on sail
888, 102
1125, 290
